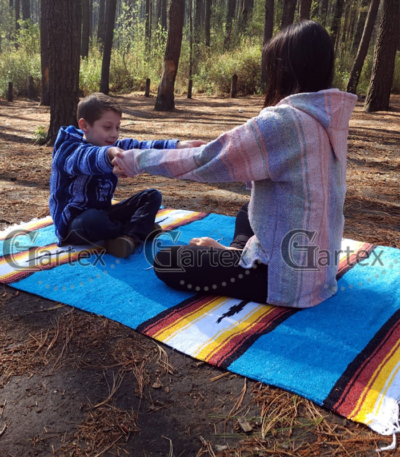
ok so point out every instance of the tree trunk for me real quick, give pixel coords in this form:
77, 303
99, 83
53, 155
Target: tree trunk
17, 13
105, 67
378, 95
203, 12
323, 11
101, 23
44, 54
353, 20
360, 25
190, 40
147, 89
245, 15
10, 92
190, 85
337, 17
64, 62
207, 21
90, 19
363, 47
234, 86
230, 14
148, 23
197, 21
268, 32
26, 10
305, 9
289, 8
158, 12
347, 9
85, 28
165, 97
164, 14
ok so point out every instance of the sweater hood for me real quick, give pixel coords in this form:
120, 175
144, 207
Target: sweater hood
72, 132
332, 108
69, 133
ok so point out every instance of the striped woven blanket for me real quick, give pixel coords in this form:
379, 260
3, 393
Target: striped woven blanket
343, 354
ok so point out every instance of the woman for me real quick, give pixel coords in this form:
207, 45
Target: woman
286, 243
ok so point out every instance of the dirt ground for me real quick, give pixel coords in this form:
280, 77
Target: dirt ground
75, 384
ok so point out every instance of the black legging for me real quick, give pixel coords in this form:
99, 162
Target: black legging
212, 270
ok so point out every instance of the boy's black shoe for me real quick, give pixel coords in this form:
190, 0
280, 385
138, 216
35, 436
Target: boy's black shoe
157, 230
121, 247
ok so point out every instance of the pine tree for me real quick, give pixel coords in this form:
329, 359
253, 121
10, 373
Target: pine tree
363, 47
165, 97
105, 67
380, 86
64, 60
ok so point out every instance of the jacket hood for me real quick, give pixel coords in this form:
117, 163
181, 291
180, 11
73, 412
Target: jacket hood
332, 108
73, 131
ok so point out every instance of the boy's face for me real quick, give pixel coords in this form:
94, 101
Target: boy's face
104, 131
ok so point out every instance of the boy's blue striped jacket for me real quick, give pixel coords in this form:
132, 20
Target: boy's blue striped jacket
81, 175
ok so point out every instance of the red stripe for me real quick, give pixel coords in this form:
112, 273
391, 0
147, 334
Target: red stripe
355, 258
366, 373
237, 341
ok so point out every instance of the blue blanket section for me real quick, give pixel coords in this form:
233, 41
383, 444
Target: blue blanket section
40, 237
309, 352
124, 290
306, 354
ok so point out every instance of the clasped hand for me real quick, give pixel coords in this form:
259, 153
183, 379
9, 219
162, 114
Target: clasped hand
114, 153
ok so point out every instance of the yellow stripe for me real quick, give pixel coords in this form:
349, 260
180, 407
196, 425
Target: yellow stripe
180, 219
384, 392
162, 212
353, 245
61, 259
373, 389
187, 320
222, 338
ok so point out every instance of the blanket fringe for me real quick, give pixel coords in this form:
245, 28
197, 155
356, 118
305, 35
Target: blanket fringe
390, 447
395, 430
13, 227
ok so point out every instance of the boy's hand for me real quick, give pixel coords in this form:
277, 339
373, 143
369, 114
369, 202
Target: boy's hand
112, 152
190, 144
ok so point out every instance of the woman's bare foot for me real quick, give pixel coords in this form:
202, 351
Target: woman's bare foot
209, 242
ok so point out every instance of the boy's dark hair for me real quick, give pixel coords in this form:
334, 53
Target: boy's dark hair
93, 106
300, 58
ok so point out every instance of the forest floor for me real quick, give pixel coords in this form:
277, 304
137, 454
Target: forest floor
76, 384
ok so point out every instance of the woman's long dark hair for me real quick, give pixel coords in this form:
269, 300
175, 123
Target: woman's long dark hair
300, 58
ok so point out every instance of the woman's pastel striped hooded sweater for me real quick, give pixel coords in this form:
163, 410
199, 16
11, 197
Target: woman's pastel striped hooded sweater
295, 155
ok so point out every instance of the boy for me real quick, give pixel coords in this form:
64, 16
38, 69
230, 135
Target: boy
82, 183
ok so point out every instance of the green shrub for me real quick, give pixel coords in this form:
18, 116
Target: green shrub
20, 61
39, 135
215, 74
90, 71
15, 67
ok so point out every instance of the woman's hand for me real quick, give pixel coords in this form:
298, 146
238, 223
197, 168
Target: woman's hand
118, 168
